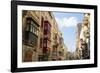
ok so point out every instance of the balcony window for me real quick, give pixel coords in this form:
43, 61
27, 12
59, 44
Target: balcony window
28, 27
31, 33
32, 26
45, 43
47, 26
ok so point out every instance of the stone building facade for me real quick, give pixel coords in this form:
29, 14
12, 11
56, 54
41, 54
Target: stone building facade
83, 38
42, 40
78, 52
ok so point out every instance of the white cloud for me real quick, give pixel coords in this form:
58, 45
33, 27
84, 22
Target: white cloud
67, 22
64, 23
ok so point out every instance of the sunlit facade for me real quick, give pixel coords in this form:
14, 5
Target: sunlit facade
85, 37
42, 40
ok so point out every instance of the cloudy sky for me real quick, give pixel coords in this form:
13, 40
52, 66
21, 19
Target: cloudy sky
67, 25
